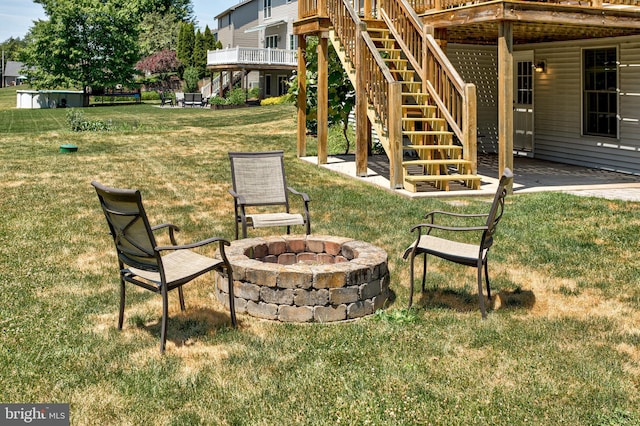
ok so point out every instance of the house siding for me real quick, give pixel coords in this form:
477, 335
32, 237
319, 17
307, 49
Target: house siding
558, 108
558, 102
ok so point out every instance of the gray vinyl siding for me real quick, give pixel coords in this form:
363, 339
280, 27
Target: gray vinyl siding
479, 65
558, 107
243, 17
558, 102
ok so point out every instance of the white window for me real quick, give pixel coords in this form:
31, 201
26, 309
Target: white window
267, 8
271, 41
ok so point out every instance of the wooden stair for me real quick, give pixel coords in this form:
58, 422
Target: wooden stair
439, 160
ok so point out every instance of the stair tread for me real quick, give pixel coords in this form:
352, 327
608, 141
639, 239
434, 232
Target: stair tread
436, 162
432, 147
427, 132
427, 178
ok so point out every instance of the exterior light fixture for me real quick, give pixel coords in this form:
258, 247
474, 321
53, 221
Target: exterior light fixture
541, 67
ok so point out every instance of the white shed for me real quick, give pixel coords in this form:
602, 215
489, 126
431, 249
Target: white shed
34, 99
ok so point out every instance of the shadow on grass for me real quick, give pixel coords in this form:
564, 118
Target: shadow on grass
186, 327
461, 300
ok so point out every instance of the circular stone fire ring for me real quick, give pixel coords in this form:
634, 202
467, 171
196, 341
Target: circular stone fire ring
306, 278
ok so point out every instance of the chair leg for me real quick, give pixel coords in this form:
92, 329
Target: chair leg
232, 299
486, 277
122, 302
165, 314
424, 271
181, 297
411, 275
480, 295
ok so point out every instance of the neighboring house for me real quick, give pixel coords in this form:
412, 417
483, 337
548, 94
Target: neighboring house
12, 74
554, 80
259, 48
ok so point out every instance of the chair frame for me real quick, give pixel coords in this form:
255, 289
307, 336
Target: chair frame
424, 243
133, 261
241, 202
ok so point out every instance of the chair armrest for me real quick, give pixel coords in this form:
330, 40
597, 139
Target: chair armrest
304, 195
448, 228
222, 241
433, 213
239, 198
172, 228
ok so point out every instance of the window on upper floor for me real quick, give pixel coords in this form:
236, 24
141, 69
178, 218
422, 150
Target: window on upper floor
600, 92
267, 8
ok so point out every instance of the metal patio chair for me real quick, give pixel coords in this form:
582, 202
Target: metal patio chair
463, 253
142, 262
259, 180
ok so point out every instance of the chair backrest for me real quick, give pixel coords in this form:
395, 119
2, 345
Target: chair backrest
129, 226
197, 97
188, 97
497, 208
259, 177
179, 96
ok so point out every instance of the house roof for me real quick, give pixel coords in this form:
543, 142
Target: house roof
13, 69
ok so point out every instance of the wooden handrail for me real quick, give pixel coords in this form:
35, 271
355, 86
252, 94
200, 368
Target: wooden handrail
439, 77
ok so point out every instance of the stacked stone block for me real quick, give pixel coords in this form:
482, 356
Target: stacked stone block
306, 278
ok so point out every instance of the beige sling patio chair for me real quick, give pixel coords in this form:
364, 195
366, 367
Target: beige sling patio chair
463, 253
259, 180
141, 261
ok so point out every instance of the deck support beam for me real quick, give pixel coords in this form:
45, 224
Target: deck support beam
362, 121
323, 97
302, 97
505, 97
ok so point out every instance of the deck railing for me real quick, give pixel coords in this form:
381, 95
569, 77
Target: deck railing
315, 8
384, 94
252, 56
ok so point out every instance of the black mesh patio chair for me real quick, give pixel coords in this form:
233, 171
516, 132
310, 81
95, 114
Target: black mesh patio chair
156, 268
165, 99
463, 253
259, 180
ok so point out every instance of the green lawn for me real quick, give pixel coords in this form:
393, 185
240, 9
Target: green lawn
560, 346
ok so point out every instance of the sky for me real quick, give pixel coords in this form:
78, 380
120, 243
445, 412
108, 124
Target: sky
17, 16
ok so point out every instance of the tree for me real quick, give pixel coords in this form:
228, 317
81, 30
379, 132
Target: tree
209, 40
181, 9
186, 43
83, 44
162, 62
200, 54
341, 93
12, 48
158, 32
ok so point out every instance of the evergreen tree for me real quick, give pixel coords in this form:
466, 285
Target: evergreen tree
186, 44
200, 54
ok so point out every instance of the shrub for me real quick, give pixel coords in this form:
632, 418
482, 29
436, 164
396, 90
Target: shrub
78, 123
284, 99
237, 97
150, 96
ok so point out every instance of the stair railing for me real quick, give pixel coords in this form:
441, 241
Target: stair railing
382, 91
455, 99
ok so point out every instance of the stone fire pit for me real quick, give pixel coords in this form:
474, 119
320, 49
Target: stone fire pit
306, 278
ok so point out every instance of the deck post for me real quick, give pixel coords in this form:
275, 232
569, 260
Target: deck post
396, 177
505, 97
368, 9
470, 127
323, 97
302, 96
362, 121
